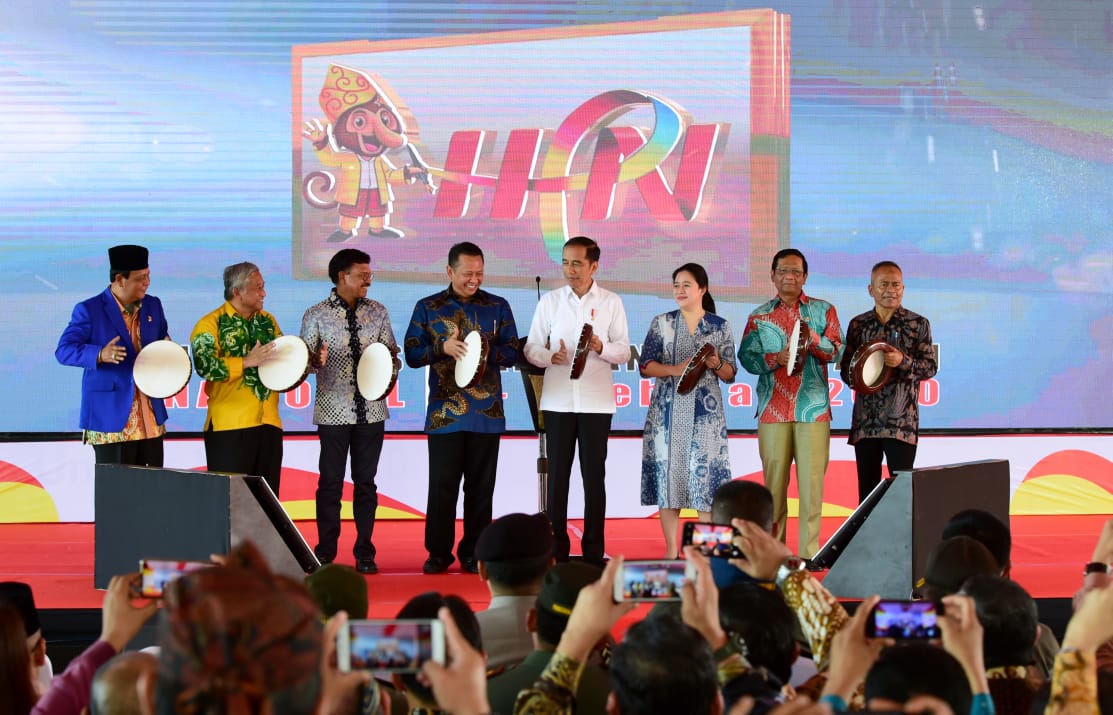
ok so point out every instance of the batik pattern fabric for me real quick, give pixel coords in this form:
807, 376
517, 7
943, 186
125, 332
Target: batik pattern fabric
451, 408
237, 397
803, 396
235, 635
893, 412
820, 614
1074, 684
554, 692
1014, 687
685, 455
347, 330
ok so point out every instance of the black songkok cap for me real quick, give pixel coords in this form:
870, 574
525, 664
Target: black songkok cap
953, 561
563, 584
19, 595
127, 258
515, 537
336, 587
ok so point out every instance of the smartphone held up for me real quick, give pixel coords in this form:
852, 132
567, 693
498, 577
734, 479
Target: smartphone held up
390, 645
904, 620
712, 540
155, 574
651, 580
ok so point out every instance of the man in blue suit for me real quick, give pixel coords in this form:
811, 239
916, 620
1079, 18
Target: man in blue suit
105, 334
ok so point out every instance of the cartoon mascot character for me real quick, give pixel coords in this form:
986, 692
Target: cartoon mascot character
364, 121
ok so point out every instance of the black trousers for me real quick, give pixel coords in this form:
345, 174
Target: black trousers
365, 442
868, 453
140, 452
563, 432
251, 450
473, 456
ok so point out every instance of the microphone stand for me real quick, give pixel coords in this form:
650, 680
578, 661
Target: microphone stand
542, 444
542, 474
533, 379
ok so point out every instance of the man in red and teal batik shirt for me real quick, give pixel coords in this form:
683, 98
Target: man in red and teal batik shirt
793, 411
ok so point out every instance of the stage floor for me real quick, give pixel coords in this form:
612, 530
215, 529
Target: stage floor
57, 559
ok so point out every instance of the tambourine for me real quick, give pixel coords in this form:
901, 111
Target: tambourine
694, 370
377, 371
868, 371
579, 358
162, 369
470, 368
798, 347
288, 366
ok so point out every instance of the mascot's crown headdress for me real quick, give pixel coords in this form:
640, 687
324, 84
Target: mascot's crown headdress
345, 88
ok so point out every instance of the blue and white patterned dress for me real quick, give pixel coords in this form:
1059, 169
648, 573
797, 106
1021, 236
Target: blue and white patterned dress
685, 456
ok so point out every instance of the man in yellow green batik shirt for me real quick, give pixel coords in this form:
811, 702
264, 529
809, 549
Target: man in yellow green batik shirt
243, 432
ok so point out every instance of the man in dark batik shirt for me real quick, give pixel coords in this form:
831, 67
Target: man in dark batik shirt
886, 423
463, 424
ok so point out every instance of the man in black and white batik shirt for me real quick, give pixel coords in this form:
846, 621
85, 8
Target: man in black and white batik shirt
337, 330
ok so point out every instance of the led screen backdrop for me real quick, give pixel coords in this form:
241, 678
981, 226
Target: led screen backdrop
970, 143
523, 150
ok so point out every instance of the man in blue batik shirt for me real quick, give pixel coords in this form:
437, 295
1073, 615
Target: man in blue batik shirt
463, 424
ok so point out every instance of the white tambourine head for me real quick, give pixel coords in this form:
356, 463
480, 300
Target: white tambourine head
375, 371
873, 367
793, 345
162, 369
466, 368
288, 366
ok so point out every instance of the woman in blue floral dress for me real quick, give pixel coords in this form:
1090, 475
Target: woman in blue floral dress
685, 456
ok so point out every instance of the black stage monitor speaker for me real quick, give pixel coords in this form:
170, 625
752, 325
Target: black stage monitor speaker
153, 513
882, 547
839, 540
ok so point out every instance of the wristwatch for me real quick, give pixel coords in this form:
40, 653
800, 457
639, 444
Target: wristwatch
789, 566
735, 644
1095, 567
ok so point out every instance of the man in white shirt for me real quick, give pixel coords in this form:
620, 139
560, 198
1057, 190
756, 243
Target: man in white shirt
578, 411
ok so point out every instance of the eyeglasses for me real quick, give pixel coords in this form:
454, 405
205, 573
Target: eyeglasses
367, 276
794, 272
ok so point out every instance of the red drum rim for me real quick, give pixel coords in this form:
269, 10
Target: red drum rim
862, 359
694, 370
579, 358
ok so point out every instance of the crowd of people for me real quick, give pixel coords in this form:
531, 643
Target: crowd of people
238, 638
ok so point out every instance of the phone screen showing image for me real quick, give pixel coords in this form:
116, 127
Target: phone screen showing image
712, 540
904, 620
396, 646
650, 581
155, 574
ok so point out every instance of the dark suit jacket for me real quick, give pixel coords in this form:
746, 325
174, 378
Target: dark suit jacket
107, 389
